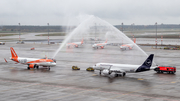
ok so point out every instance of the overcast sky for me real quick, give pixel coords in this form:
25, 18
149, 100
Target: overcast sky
59, 12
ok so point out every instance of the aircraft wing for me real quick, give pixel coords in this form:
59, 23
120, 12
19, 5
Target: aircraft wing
117, 70
101, 45
73, 44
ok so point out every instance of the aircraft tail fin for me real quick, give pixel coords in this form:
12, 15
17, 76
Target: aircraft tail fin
106, 41
82, 41
147, 64
13, 53
134, 40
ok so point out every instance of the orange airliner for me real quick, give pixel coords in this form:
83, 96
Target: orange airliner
126, 47
32, 62
102, 45
75, 44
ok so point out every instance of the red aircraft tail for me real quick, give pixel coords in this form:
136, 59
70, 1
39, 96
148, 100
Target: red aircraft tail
106, 41
13, 53
82, 41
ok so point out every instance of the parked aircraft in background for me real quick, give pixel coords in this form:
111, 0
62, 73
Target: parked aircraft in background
32, 62
122, 69
95, 39
75, 44
101, 45
126, 47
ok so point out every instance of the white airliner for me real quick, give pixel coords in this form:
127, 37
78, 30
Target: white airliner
75, 44
101, 45
126, 47
122, 69
32, 62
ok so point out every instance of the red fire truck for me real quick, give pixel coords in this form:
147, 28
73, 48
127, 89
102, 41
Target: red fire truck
168, 69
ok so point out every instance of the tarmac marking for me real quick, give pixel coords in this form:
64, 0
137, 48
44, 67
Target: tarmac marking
170, 61
131, 93
140, 79
84, 90
19, 86
94, 75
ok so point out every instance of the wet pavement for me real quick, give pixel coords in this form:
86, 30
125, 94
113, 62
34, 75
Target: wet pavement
62, 83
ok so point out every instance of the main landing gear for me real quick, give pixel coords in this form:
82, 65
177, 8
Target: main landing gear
123, 74
36, 66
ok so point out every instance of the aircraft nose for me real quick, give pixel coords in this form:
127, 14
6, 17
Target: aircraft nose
94, 45
54, 64
94, 66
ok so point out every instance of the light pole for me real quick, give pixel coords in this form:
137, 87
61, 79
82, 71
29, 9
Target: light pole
48, 33
133, 30
19, 32
156, 35
179, 34
122, 27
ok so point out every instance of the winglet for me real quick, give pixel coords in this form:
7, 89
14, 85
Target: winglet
5, 60
147, 64
13, 53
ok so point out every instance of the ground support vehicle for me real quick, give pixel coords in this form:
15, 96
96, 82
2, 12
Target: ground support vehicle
168, 69
75, 68
90, 69
2, 43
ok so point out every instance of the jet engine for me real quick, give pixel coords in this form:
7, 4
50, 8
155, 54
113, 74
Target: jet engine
106, 72
102, 47
31, 66
76, 46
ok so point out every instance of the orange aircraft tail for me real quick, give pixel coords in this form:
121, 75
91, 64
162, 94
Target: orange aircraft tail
13, 53
106, 41
82, 41
134, 40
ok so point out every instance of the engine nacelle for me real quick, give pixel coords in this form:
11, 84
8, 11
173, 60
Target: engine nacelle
31, 66
106, 72
102, 47
76, 46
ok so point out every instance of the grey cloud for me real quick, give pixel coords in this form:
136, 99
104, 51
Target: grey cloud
39, 12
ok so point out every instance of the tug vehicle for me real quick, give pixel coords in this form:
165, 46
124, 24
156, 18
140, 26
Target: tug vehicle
75, 68
168, 69
20, 42
90, 69
2, 43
